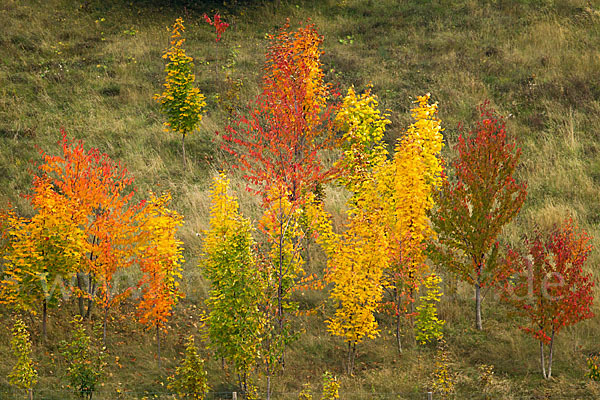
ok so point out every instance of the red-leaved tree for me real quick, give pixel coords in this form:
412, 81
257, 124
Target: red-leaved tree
278, 146
550, 287
473, 207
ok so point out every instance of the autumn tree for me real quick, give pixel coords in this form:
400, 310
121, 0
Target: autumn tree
278, 143
81, 226
85, 228
473, 206
398, 190
549, 287
357, 258
43, 253
159, 255
355, 265
99, 194
181, 101
278, 147
406, 186
235, 321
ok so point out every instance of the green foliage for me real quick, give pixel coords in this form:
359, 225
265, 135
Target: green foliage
234, 319
23, 374
472, 209
85, 360
181, 102
189, 380
428, 326
331, 387
593, 363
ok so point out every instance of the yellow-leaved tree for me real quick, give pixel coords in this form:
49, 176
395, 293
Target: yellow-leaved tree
397, 192
356, 260
181, 101
406, 184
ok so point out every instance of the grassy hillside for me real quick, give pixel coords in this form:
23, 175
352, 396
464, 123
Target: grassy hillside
92, 67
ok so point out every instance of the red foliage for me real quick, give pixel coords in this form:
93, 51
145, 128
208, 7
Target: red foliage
278, 143
473, 208
220, 26
551, 289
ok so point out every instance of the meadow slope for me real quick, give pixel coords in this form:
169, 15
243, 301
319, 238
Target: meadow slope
92, 67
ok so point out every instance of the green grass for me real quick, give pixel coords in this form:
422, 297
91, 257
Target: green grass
92, 67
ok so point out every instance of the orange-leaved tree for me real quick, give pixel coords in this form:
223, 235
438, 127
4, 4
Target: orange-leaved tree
473, 207
549, 286
101, 191
181, 101
81, 226
159, 255
278, 143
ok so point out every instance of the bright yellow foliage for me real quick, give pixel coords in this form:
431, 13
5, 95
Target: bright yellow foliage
408, 183
181, 102
362, 143
356, 260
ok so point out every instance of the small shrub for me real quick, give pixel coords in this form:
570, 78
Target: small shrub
189, 380
23, 374
331, 387
85, 360
427, 325
442, 377
306, 393
593, 363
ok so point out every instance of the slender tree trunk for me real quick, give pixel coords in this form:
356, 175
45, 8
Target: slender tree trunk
44, 317
348, 360
183, 148
217, 65
550, 356
30, 392
158, 346
91, 291
280, 283
542, 360
478, 325
104, 326
398, 341
80, 285
351, 357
